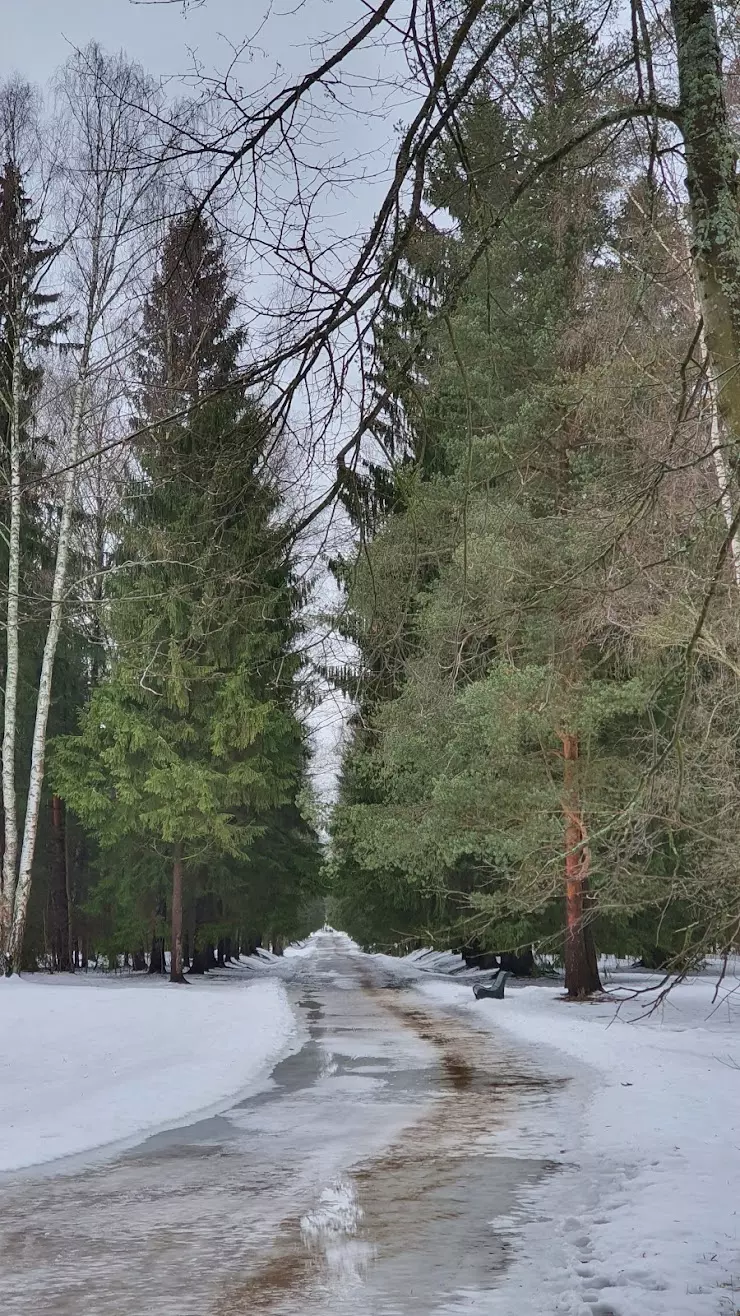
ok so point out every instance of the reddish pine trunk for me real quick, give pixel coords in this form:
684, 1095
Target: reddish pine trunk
176, 973
59, 885
581, 968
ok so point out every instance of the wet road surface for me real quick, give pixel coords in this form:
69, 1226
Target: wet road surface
366, 1179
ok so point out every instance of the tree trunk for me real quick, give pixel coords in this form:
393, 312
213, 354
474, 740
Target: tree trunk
176, 973
581, 968
59, 887
712, 184
43, 700
157, 962
203, 959
138, 961
10, 851
519, 963
717, 434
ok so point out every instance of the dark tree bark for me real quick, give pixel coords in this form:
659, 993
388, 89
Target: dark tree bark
712, 183
204, 958
192, 931
59, 888
224, 951
476, 958
521, 965
138, 962
157, 962
581, 967
176, 973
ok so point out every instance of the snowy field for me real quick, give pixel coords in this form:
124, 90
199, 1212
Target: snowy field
644, 1215
85, 1062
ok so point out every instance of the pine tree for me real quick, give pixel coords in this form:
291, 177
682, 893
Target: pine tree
488, 778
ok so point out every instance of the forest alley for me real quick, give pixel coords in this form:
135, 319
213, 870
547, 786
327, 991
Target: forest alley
363, 1180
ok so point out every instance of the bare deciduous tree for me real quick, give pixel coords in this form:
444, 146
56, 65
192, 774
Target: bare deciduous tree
105, 193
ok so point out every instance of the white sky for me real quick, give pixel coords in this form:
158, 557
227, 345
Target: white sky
38, 34
284, 35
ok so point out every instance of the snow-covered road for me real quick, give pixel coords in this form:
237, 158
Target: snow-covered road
414, 1153
364, 1179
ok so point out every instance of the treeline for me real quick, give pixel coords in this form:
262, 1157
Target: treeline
155, 794
526, 369
544, 600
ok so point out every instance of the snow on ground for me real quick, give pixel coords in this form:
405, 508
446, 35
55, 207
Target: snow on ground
88, 1062
642, 1217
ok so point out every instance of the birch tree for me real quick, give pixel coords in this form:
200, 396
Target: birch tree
105, 202
29, 325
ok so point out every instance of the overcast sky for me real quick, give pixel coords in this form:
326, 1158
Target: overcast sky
160, 35
39, 34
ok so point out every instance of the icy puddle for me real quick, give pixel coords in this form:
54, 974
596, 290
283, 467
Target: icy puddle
363, 1180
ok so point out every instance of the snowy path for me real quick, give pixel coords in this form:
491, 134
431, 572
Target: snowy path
416, 1154
363, 1181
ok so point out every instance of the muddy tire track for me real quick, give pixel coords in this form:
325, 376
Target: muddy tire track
419, 1231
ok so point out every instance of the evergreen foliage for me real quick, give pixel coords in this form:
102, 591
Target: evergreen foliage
190, 746
501, 610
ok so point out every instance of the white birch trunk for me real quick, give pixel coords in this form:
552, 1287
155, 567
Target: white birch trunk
725, 498
716, 439
109, 198
43, 702
10, 852
717, 433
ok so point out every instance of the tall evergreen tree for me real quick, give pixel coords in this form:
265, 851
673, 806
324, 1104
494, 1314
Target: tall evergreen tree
193, 740
485, 777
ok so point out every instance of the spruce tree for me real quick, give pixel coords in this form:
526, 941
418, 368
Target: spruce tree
193, 740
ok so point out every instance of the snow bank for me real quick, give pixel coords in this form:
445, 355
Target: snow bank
83, 1064
642, 1217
